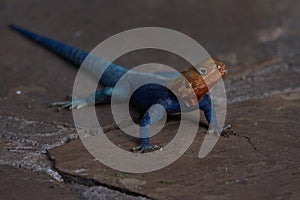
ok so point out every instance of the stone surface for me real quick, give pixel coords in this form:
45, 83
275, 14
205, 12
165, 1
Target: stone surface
99, 192
25, 142
22, 184
260, 162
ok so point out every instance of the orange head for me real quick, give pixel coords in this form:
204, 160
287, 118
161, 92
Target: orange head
199, 80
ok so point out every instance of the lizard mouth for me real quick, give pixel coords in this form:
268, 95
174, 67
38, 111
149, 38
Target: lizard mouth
221, 68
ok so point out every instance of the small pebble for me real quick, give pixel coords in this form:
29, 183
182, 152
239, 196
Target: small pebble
77, 34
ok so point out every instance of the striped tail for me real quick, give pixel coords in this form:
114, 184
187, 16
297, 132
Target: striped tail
109, 77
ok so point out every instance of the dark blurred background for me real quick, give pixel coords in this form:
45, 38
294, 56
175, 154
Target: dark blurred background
248, 35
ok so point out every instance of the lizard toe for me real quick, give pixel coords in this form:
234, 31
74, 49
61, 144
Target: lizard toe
75, 104
145, 149
228, 131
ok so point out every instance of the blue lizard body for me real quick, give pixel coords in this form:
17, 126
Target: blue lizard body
143, 98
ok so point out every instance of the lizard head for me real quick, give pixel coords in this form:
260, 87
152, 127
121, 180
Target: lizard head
212, 67
199, 80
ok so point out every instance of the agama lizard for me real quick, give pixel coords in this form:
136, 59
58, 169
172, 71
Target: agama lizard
200, 80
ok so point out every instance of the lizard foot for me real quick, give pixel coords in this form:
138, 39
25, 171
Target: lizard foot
145, 149
75, 104
228, 131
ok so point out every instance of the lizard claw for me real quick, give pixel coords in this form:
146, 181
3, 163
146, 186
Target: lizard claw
228, 126
75, 104
145, 149
219, 131
227, 131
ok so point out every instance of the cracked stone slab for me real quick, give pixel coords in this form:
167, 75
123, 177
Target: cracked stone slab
22, 184
24, 143
259, 160
99, 192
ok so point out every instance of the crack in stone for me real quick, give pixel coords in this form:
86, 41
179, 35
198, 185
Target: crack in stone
249, 141
71, 179
232, 132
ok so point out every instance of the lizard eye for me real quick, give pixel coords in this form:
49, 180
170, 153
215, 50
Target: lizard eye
202, 71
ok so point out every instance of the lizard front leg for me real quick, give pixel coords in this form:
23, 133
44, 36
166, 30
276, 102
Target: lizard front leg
206, 105
152, 115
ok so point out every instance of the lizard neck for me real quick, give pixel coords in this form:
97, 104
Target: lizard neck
196, 82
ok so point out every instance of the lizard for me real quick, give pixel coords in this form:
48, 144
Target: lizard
194, 81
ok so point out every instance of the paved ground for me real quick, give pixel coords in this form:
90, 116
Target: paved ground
260, 161
258, 40
23, 184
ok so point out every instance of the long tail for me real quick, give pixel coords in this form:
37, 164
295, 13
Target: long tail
110, 76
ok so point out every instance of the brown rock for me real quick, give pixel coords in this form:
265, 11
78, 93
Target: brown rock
260, 162
21, 184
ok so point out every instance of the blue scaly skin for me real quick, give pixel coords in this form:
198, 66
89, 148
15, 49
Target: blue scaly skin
145, 97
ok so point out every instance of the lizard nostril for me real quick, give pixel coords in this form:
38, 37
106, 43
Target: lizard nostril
187, 85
